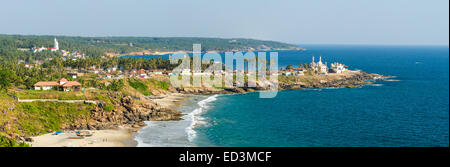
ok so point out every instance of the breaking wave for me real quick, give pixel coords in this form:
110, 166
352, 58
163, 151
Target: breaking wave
196, 118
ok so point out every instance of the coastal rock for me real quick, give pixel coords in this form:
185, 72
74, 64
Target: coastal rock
29, 139
126, 112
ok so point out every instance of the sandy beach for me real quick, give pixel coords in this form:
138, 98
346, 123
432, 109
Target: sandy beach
171, 100
120, 137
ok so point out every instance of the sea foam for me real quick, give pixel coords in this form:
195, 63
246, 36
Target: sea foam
196, 118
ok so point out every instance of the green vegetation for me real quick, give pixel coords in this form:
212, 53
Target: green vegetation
108, 108
34, 94
115, 85
161, 84
287, 79
6, 78
288, 67
103, 98
34, 118
97, 46
140, 87
50, 66
43, 117
5, 142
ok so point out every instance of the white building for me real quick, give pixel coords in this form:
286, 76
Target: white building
338, 68
300, 73
56, 46
287, 73
62, 84
54, 49
186, 72
40, 49
319, 66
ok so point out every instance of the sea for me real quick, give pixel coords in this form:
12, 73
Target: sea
410, 109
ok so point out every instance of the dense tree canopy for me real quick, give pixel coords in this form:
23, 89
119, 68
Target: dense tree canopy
6, 78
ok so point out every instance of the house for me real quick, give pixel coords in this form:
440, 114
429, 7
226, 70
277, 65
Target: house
197, 73
186, 72
62, 84
299, 73
338, 68
157, 72
38, 49
110, 54
112, 69
45, 85
132, 73
287, 73
29, 65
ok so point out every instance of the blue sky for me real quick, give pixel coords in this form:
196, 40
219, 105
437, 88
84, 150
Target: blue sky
386, 22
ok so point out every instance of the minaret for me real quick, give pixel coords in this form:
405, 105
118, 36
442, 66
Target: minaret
320, 59
56, 45
312, 60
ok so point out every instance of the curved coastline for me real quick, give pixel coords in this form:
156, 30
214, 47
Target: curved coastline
179, 133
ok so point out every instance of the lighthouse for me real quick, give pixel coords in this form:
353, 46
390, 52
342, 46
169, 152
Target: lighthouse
56, 47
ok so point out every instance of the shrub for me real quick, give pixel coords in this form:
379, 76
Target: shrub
108, 108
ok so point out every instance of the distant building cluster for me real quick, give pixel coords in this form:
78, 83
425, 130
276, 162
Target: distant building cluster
40, 49
317, 67
66, 54
294, 71
322, 68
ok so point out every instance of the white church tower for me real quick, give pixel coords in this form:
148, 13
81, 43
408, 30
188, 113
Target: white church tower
56, 45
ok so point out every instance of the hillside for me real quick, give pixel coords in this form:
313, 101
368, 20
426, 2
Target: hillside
21, 120
98, 46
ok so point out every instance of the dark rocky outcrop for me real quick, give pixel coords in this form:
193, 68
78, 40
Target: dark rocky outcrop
126, 112
129, 111
351, 81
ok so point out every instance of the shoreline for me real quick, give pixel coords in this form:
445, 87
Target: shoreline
162, 53
180, 133
122, 136
119, 137
125, 135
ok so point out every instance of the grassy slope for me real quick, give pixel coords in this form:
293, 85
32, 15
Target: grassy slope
32, 94
35, 118
30, 119
145, 86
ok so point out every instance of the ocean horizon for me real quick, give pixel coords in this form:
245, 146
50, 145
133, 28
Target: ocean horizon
408, 110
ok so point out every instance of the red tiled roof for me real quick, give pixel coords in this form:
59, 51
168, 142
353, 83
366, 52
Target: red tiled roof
63, 80
46, 83
71, 83
57, 83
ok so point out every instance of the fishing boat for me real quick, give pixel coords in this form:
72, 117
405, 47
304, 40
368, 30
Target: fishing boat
84, 133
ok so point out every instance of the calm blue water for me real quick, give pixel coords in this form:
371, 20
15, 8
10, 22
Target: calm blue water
413, 111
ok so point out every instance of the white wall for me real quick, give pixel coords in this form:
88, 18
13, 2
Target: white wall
47, 87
